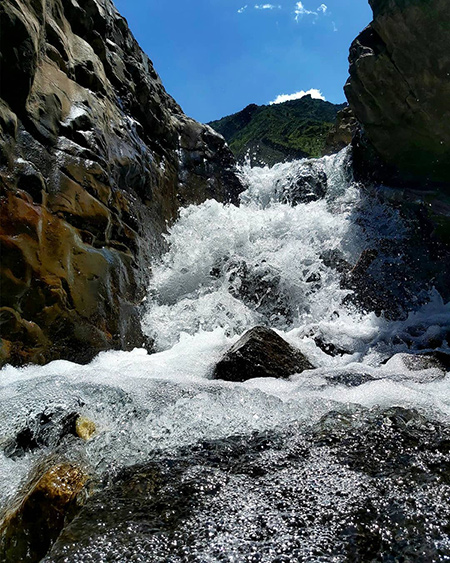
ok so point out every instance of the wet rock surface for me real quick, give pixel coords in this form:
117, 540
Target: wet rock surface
343, 131
308, 184
95, 159
48, 429
296, 494
399, 91
260, 353
28, 529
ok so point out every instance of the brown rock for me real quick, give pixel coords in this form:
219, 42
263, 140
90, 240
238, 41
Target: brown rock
28, 529
260, 353
95, 161
341, 134
85, 428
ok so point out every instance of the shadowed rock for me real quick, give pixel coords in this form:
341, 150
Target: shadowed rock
399, 90
260, 353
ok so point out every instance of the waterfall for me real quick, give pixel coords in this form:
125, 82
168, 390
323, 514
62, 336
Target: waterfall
279, 259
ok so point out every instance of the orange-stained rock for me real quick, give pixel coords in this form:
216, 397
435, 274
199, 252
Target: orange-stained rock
95, 161
31, 525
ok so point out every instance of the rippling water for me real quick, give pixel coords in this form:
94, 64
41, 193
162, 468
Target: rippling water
275, 458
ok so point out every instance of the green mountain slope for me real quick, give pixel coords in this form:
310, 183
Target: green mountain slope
279, 132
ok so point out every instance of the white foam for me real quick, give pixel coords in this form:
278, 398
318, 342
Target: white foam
142, 403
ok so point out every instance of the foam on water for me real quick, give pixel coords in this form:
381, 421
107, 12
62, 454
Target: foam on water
227, 269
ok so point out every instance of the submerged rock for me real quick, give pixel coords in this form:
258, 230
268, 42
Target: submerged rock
349, 378
95, 161
85, 428
360, 485
260, 353
28, 529
48, 430
437, 362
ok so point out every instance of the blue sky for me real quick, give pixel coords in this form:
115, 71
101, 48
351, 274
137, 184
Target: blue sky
217, 56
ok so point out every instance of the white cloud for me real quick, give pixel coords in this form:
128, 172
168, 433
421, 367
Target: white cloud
266, 7
242, 9
314, 93
300, 11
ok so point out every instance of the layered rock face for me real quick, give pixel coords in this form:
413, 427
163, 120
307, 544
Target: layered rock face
95, 160
399, 90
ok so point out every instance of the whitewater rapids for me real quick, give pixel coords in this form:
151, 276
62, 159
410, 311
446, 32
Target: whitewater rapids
197, 306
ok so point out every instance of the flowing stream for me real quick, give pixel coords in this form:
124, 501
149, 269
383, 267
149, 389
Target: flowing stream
290, 478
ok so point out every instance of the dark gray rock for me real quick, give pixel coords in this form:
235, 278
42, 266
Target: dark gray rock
427, 360
349, 379
308, 184
399, 90
47, 429
360, 483
260, 353
260, 287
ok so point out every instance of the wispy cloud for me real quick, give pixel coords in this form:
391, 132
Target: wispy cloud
301, 11
260, 7
314, 93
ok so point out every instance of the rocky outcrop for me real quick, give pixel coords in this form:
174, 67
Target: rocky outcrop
28, 529
95, 159
399, 90
260, 353
342, 132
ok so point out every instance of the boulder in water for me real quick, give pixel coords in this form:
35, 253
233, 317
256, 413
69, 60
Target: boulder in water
260, 353
29, 528
349, 378
309, 184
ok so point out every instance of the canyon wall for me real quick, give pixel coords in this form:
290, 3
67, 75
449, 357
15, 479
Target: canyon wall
399, 90
95, 161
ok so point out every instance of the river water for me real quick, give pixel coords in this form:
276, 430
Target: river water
291, 476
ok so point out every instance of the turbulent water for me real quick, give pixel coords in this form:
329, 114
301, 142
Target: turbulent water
346, 462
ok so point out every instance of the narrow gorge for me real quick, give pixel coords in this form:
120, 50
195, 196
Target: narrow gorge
207, 361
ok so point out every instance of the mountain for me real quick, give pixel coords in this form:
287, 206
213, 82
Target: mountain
279, 132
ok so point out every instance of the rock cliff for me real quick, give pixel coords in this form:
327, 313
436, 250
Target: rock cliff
399, 90
95, 160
